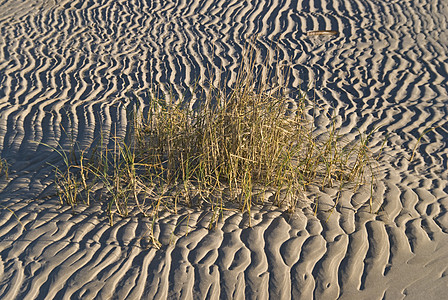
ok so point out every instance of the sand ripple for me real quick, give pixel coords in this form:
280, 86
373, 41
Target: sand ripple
71, 69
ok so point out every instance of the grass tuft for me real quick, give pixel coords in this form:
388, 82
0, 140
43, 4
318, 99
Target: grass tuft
4, 168
236, 145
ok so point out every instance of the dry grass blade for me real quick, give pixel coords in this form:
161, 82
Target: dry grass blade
419, 138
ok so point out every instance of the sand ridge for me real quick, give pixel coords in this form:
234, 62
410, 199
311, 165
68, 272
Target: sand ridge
78, 64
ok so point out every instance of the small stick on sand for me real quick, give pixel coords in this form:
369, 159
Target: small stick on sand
321, 32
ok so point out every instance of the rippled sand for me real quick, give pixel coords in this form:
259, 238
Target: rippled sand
78, 64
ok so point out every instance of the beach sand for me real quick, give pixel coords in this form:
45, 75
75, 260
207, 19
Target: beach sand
76, 65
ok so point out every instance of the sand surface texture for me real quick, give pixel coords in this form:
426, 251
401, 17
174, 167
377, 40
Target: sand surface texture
78, 64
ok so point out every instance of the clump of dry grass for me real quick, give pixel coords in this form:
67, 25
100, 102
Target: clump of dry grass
231, 149
4, 168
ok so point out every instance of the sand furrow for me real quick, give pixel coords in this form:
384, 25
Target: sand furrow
73, 70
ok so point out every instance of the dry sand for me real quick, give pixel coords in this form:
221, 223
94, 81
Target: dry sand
73, 63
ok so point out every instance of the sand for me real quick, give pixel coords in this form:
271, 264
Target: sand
78, 64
